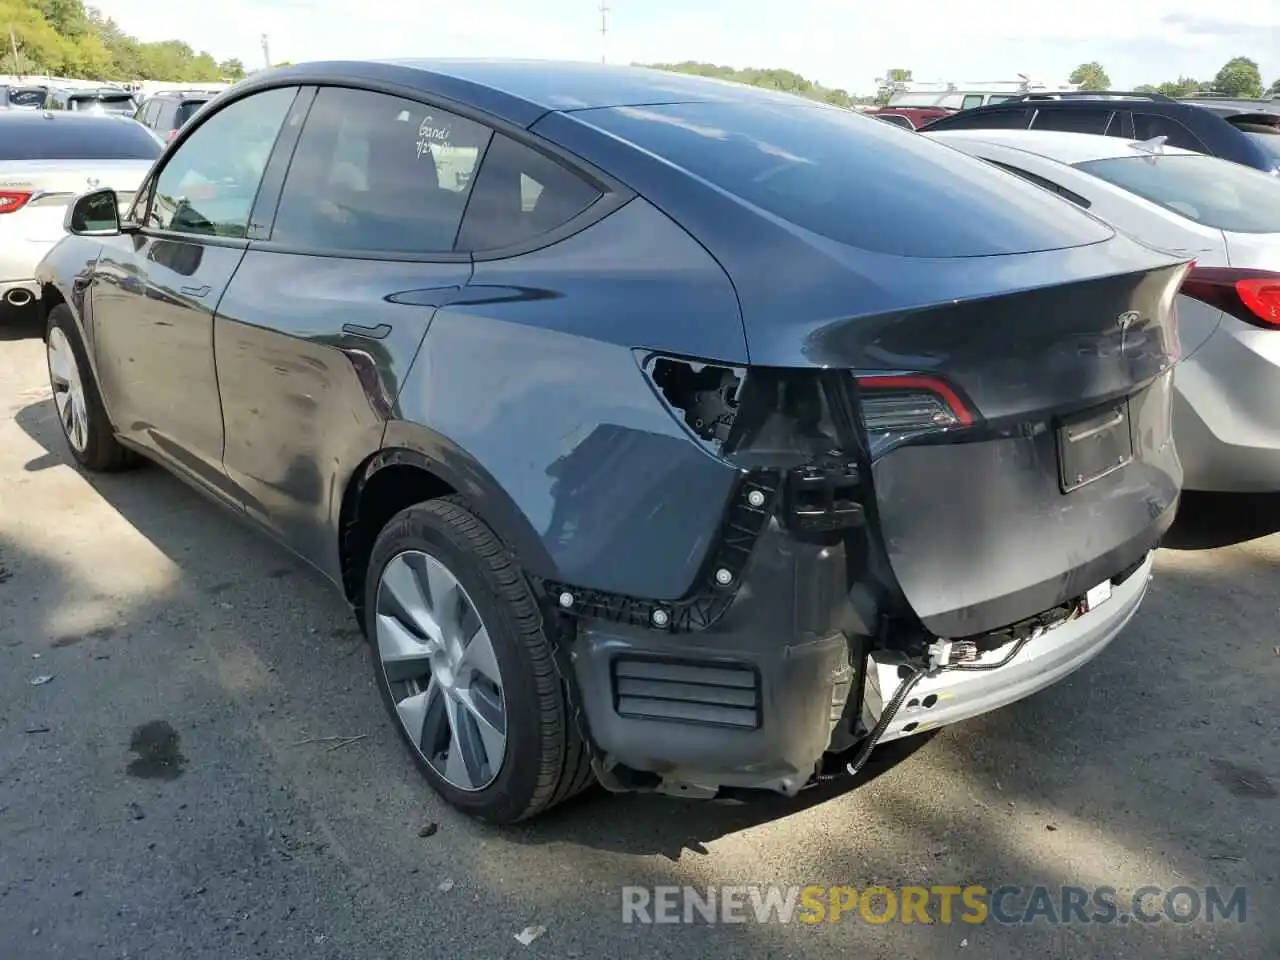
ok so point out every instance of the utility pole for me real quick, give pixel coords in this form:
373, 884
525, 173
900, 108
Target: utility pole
266, 51
604, 28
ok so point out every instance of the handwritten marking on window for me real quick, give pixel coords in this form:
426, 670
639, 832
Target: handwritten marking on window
430, 135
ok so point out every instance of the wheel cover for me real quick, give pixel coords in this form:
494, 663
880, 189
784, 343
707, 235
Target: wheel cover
68, 390
438, 659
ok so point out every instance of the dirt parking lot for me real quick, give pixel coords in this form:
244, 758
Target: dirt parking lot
159, 797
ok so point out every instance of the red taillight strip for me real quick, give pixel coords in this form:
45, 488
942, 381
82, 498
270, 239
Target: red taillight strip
935, 385
13, 200
1249, 295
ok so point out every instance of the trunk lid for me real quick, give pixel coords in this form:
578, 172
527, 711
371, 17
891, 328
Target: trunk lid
1067, 475
1260, 250
55, 183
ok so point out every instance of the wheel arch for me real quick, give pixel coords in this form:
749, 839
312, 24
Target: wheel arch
413, 465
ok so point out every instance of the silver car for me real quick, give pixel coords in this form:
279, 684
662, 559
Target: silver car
1226, 216
46, 160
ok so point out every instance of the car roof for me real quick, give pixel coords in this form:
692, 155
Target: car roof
1056, 145
15, 117
521, 91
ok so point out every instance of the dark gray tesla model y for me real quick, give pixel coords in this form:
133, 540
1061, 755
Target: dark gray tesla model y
660, 431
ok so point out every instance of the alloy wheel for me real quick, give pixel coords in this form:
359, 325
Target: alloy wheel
438, 659
68, 390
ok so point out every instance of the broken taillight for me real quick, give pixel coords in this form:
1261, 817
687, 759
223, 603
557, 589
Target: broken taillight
897, 407
13, 200
1249, 295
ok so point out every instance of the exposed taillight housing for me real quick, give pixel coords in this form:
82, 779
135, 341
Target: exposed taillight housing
1249, 295
13, 200
900, 407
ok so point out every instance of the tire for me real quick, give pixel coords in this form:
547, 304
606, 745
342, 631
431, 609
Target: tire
100, 451
544, 760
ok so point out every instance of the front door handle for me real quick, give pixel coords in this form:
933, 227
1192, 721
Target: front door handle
196, 291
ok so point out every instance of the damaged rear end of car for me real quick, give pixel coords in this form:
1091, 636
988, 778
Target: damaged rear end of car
951, 445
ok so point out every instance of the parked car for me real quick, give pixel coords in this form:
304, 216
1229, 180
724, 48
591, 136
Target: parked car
167, 111
1239, 136
91, 100
27, 97
635, 453
1225, 216
896, 119
46, 161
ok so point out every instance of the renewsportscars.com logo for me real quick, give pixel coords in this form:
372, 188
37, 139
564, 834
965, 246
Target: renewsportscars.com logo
945, 904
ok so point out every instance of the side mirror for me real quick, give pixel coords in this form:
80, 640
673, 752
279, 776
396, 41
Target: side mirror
94, 214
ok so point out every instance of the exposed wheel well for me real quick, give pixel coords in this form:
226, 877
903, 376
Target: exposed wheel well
50, 297
369, 504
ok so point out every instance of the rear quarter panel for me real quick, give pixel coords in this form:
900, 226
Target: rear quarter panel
532, 373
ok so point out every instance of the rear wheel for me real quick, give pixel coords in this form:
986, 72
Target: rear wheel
81, 414
465, 666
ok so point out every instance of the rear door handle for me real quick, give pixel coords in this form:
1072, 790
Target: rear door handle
196, 291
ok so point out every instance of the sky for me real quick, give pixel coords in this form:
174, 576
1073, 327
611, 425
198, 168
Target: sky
838, 43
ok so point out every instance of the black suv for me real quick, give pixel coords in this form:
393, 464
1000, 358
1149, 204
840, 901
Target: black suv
166, 112
1244, 133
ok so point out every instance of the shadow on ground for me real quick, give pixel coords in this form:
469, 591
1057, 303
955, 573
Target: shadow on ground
1154, 764
1207, 521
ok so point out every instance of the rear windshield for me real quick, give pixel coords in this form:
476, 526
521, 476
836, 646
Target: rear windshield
186, 110
30, 97
76, 140
1216, 193
854, 179
107, 104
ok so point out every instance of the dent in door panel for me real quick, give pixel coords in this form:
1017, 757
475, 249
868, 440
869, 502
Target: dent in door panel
304, 398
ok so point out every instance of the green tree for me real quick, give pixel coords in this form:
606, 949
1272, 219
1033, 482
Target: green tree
1145, 88
892, 76
1091, 76
232, 69
1239, 77
1182, 87
1274, 90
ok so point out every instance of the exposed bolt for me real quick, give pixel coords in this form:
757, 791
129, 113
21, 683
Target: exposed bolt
660, 617
566, 599
724, 577
755, 498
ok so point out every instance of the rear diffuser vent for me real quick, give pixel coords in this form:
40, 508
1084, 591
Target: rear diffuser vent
707, 693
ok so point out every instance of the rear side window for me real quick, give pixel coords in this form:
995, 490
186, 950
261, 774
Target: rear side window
853, 179
76, 140
1010, 118
378, 173
27, 98
1216, 193
520, 194
186, 110
1148, 125
1072, 121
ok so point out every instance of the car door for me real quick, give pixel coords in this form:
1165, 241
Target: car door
156, 287
326, 313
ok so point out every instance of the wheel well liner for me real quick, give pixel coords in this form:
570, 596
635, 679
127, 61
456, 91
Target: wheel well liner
395, 478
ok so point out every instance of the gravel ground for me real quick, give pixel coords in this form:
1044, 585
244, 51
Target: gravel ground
157, 800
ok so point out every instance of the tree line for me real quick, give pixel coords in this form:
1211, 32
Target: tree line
66, 38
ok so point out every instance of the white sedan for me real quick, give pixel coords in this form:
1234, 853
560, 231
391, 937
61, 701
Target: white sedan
1225, 216
47, 159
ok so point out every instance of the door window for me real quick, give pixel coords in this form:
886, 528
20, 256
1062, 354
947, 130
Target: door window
378, 173
208, 186
1148, 125
1072, 121
521, 194
971, 100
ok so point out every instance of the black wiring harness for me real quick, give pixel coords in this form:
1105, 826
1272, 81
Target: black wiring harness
904, 690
